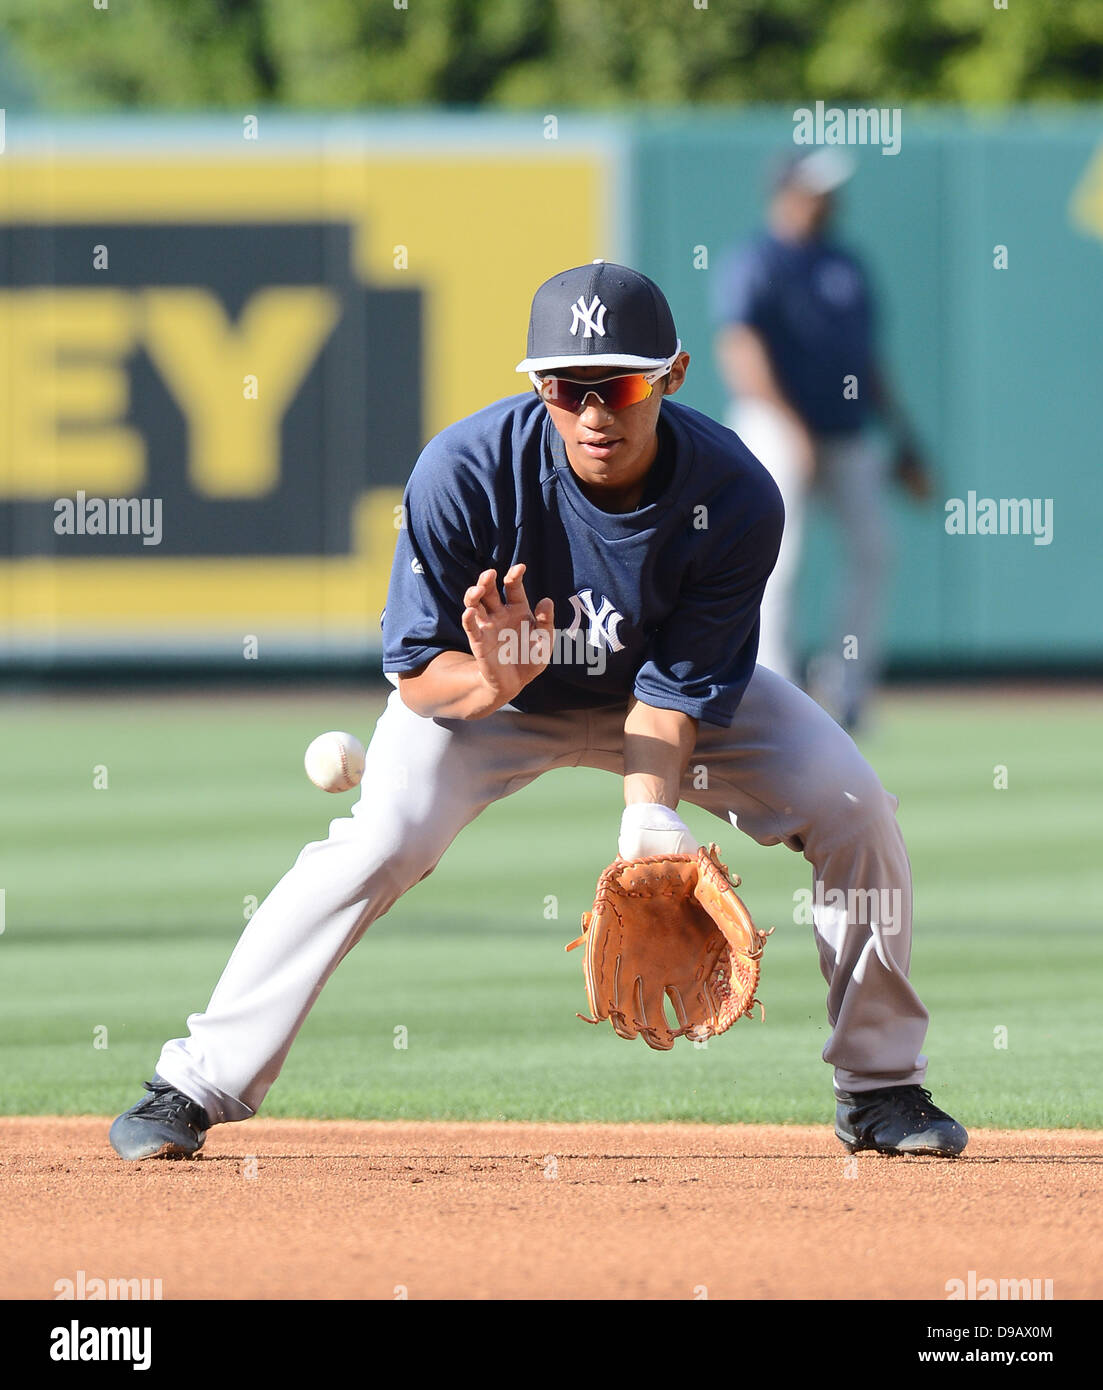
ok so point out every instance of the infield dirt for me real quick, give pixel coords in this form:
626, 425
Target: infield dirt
342, 1210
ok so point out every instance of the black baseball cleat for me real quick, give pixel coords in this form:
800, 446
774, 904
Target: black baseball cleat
897, 1120
164, 1124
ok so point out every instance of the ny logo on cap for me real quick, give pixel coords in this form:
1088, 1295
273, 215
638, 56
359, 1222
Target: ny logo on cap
592, 317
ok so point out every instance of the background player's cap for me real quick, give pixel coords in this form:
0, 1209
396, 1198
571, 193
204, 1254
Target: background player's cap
600, 315
821, 172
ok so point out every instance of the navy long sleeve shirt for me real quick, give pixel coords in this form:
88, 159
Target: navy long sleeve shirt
661, 602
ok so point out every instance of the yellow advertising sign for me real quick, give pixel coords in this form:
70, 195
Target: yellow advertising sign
1087, 198
217, 370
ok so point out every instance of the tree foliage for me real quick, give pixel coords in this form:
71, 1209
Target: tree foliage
549, 54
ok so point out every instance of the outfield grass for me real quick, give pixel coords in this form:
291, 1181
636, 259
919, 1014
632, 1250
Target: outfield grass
123, 903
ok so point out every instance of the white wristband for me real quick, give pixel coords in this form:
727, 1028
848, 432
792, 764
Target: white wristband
646, 827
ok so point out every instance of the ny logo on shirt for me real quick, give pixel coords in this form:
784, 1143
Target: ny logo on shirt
603, 622
591, 317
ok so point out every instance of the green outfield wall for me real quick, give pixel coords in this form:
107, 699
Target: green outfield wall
251, 324
1001, 369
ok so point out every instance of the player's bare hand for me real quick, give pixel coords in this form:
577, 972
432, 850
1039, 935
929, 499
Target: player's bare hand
913, 475
511, 643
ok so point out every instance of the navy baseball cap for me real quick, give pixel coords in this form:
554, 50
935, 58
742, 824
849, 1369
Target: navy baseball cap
600, 315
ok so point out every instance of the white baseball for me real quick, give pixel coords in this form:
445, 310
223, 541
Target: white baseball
335, 762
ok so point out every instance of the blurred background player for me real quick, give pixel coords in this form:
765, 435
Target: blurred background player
796, 349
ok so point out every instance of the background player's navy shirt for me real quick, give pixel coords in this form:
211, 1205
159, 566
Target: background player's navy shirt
811, 304
667, 596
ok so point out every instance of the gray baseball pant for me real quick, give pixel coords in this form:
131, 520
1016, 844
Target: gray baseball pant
783, 773
851, 476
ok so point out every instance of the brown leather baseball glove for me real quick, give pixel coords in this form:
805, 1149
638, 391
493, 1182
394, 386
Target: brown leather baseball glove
670, 926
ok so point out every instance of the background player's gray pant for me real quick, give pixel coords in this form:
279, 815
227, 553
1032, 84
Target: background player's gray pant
851, 477
784, 772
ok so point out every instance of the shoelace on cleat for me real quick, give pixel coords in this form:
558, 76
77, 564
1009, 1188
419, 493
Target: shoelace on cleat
165, 1102
925, 1108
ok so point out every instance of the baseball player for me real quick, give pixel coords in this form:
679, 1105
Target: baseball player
578, 584
796, 349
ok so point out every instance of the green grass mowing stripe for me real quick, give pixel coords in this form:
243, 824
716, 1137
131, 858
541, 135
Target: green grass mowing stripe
459, 1052
144, 891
